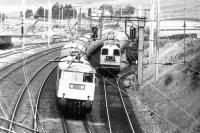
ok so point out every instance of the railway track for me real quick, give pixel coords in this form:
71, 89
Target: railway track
27, 47
11, 69
19, 50
35, 118
23, 96
75, 126
117, 115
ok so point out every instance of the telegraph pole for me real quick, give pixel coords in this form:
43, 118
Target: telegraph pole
141, 25
44, 18
1, 17
101, 23
22, 24
184, 25
91, 19
80, 18
157, 39
151, 37
121, 14
49, 22
62, 18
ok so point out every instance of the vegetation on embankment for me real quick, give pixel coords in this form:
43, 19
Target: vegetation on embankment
176, 95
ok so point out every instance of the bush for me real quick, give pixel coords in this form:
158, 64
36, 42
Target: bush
195, 75
168, 79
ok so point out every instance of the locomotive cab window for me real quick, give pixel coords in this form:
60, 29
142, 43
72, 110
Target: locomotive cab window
72, 76
104, 51
116, 52
88, 77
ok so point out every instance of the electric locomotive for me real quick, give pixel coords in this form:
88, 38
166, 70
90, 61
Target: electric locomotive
110, 55
75, 80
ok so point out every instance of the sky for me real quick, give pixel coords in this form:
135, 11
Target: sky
15, 5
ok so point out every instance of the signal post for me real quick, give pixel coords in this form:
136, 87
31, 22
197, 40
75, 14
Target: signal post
141, 24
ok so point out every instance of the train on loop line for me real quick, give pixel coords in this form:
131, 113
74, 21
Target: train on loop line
110, 55
75, 79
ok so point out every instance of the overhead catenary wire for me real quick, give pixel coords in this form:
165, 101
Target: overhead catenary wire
81, 50
163, 117
173, 102
3, 110
5, 129
24, 57
17, 124
182, 9
184, 26
6, 103
180, 62
157, 114
167, 120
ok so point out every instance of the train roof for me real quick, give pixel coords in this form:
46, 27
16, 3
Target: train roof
69, 63
111, 42
75, 45
109, 46
69, 49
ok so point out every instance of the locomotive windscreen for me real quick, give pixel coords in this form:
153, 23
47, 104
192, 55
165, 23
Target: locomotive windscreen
88, 77
72, 76
77, 77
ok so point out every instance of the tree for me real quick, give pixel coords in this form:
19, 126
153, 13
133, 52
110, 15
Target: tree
68, 11
130, 9
74, 13
55, 11
89, 12
28, 13
2, 16
39, 13
107, 7
125, 11
60, 11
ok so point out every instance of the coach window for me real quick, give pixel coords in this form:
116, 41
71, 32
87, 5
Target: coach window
104, 52
116, 52
88, 77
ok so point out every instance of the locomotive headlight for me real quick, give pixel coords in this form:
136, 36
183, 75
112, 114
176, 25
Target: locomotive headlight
82, 87
77, 86
71, 86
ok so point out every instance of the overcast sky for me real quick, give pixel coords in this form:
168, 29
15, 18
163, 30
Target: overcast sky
15, 5
8, 5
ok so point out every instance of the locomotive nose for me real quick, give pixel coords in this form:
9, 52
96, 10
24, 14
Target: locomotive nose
63, 102
88, 106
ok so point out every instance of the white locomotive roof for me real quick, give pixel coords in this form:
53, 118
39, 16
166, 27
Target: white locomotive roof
69, 63
111, 42
110, 46
120, 36
72, 45
75, 45
69, 48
